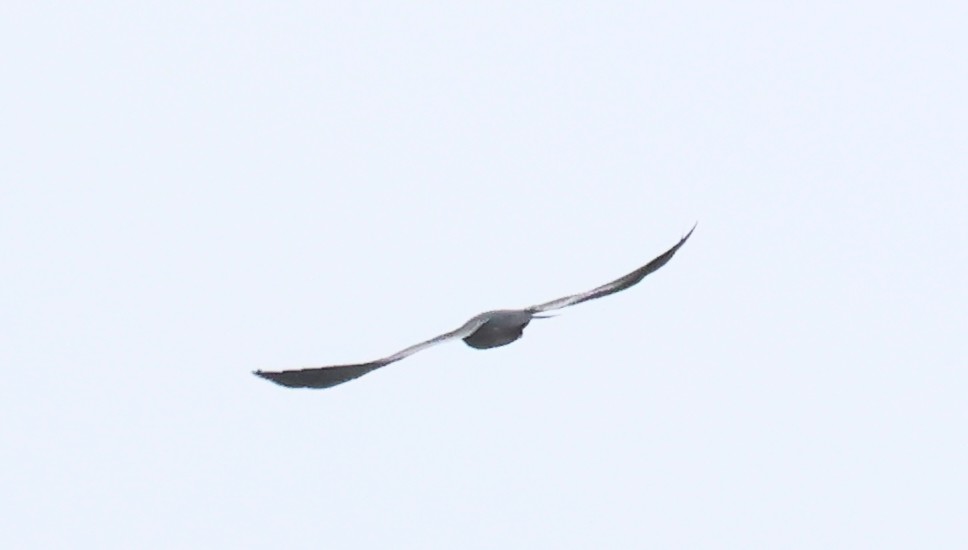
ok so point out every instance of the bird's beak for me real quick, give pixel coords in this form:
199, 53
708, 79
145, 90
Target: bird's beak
543, 316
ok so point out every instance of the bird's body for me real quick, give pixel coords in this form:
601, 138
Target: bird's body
500, 328
487, 330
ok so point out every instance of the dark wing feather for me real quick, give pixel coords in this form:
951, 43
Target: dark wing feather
615, 286
325, 377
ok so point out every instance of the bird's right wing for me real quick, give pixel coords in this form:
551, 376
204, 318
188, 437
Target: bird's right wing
617, 285
325, 377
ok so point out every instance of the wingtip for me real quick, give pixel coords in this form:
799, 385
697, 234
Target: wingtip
691, 230
320, 377
270, 376
275, 377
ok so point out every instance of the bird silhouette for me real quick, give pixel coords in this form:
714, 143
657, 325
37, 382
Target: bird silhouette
490, 329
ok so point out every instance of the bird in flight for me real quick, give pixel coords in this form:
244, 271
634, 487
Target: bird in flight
487, 330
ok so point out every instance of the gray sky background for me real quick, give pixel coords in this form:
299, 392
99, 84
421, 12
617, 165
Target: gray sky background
191, 192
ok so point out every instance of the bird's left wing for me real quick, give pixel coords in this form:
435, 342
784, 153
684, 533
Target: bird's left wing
617, 285
325, 377
321, 377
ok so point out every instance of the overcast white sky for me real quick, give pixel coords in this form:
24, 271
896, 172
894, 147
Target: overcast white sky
191, 191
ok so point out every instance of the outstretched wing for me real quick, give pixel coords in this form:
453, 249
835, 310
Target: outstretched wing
325, 377
322, 377
615, 286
